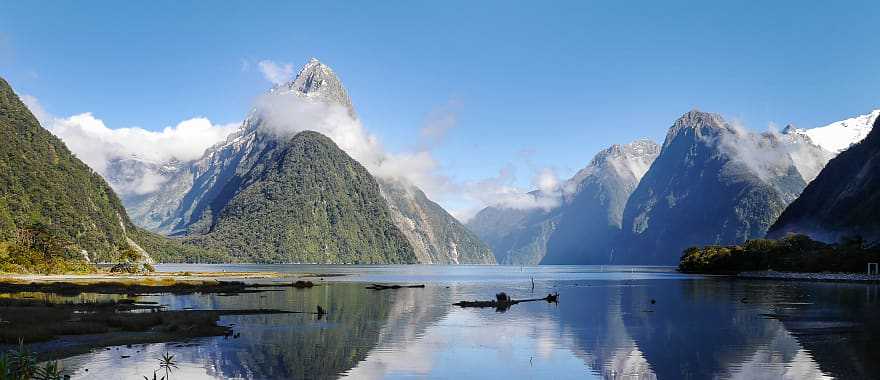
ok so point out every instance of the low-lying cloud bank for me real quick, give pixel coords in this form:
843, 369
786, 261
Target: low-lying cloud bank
97, 144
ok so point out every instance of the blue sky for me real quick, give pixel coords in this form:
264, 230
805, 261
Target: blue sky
531, 84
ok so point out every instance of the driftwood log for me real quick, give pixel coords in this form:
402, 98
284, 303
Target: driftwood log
386, 287
503, 302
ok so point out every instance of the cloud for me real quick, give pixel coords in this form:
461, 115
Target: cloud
438, 123
771, 154
274, 72
285, 114
97, 145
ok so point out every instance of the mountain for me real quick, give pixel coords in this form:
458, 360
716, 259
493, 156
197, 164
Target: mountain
44, 188
150, 191
516, 236
592, 219
436, 236
582, 228
193, 193
843, 201
838, 136
304, 200
713, 183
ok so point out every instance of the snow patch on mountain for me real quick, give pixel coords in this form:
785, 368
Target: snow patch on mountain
838, 136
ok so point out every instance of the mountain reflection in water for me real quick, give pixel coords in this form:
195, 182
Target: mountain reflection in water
605, 326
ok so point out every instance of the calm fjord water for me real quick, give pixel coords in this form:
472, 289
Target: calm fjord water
605, 326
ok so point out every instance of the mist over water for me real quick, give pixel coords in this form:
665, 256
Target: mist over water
605, 326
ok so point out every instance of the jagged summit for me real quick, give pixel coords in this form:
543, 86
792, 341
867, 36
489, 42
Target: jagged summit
318, 81
637, 148
698, 122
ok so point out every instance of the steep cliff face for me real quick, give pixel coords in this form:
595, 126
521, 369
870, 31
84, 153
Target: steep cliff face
712, 183
843, 201
436, 236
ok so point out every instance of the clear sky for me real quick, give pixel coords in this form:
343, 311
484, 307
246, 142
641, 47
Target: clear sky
531, 84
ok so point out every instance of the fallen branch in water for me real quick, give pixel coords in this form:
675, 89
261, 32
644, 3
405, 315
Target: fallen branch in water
386, 287
503, 302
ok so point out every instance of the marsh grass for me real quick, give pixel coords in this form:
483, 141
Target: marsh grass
21, 364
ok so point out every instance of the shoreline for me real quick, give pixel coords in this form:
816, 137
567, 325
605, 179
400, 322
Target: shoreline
860, 278
152, 283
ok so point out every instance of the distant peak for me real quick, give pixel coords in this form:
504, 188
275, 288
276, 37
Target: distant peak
642, 147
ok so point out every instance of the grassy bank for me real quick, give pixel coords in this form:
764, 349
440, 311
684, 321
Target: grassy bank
795, 253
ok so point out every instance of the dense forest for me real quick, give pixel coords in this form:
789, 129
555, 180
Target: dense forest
794, 253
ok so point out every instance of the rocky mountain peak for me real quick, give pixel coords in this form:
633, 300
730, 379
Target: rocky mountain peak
639, 148
696, 124
318, 81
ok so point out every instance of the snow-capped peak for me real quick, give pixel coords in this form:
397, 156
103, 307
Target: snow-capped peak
838, 136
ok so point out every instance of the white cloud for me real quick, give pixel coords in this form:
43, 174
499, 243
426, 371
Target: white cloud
274, 72
96, 144
770, 154
438, 123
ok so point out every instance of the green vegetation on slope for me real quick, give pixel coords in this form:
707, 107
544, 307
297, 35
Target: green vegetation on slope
305, 200
41, 181
176, 250
41, 249
794, 253
55, 212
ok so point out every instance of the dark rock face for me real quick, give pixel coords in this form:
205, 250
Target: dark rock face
304, 200
711, 184
843, 201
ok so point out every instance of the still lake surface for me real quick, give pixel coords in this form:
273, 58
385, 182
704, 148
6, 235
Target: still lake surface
604, 326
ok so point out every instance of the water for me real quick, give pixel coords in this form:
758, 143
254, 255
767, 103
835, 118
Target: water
605, 326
